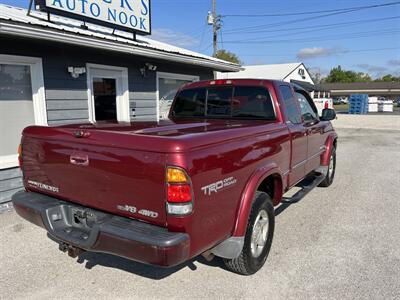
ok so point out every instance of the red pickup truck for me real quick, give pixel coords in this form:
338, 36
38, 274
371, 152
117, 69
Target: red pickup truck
205, 181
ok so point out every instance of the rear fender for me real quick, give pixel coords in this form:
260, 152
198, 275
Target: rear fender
248, 196
329, 145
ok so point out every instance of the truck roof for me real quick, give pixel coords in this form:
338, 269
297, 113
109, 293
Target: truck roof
233, 82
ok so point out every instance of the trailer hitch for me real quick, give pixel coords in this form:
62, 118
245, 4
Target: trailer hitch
73, 252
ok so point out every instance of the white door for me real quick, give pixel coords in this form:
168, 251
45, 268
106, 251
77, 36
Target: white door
108, 93
22, 103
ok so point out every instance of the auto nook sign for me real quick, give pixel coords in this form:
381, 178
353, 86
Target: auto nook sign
133, 15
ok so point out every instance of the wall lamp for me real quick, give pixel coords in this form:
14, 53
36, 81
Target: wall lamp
147, 67
76, 72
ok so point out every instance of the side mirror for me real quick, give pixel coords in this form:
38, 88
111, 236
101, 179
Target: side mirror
328, 114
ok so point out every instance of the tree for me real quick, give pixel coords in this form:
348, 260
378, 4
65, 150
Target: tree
228, 56
388, 78
339, 75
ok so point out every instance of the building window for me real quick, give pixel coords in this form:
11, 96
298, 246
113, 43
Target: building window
22, 103
167, 85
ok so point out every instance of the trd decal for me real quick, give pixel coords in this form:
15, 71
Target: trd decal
217, 186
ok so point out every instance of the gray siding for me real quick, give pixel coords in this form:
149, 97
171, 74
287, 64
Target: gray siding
10, 183
66, 106
143, 104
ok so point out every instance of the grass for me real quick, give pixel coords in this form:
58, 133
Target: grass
341, 107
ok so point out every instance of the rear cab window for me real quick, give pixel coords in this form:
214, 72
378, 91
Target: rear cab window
237, 102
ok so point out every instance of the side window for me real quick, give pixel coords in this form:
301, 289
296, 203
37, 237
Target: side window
290, 104
307, 111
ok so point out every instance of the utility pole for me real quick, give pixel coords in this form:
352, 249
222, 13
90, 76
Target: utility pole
215, 30
215, 21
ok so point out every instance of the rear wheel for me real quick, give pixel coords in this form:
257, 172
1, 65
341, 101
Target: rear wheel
258, 238
330, 175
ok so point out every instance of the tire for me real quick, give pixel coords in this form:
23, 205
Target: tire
330, 175
252, 258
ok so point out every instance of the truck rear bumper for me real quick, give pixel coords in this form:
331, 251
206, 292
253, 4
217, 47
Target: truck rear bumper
96, 231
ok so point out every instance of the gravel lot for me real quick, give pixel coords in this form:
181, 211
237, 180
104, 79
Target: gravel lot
342, 242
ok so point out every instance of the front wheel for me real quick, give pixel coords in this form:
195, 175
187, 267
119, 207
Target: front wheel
330, 175
258, 238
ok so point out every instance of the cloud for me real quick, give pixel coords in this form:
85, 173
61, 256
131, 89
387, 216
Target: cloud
309, 53
174, 37
394, 62
372, 68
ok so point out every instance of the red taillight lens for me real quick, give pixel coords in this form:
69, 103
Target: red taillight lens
20, 156
179, 193
326, 105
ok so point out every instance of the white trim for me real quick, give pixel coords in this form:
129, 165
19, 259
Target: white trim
38, 96
121, 76
79, 40
9, 161
176, 76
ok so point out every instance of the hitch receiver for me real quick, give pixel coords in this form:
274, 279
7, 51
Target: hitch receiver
72, 251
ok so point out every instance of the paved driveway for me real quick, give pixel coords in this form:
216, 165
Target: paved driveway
337, 243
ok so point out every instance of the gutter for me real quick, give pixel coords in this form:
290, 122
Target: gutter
98, 43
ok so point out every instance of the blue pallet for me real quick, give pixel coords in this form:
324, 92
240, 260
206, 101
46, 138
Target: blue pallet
358, 104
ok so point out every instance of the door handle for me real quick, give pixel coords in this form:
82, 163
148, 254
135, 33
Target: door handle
79, 160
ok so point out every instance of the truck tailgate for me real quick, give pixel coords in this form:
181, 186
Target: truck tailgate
108, 177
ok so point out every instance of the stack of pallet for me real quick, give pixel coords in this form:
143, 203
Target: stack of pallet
373, 104
358, 104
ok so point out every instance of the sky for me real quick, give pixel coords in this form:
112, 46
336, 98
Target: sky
364, 40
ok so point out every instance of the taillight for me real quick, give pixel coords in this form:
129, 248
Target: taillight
20, 156
220, 82
326, 105
179, 192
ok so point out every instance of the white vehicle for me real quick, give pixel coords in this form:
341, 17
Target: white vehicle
322, 100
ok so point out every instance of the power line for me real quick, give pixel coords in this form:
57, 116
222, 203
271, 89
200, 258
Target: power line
314, 12
244, 29
337, 52
319, 38
296, 33
322, 26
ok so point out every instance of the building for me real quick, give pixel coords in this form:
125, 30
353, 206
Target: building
66, 71
389, 90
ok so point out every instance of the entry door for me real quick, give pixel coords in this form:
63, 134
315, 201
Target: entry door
108, 93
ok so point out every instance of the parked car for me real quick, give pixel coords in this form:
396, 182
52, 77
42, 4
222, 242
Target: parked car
340, 100
205, 181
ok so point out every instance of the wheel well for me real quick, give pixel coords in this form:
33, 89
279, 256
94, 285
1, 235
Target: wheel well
272, 185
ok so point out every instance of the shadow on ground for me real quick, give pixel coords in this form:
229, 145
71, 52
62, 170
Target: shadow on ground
92, 259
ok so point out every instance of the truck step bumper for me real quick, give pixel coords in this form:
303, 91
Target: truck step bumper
96, 231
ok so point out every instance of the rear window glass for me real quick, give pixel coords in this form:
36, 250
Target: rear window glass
190, 103
241, 102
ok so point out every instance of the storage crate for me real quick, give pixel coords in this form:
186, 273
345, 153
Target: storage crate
358, 104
